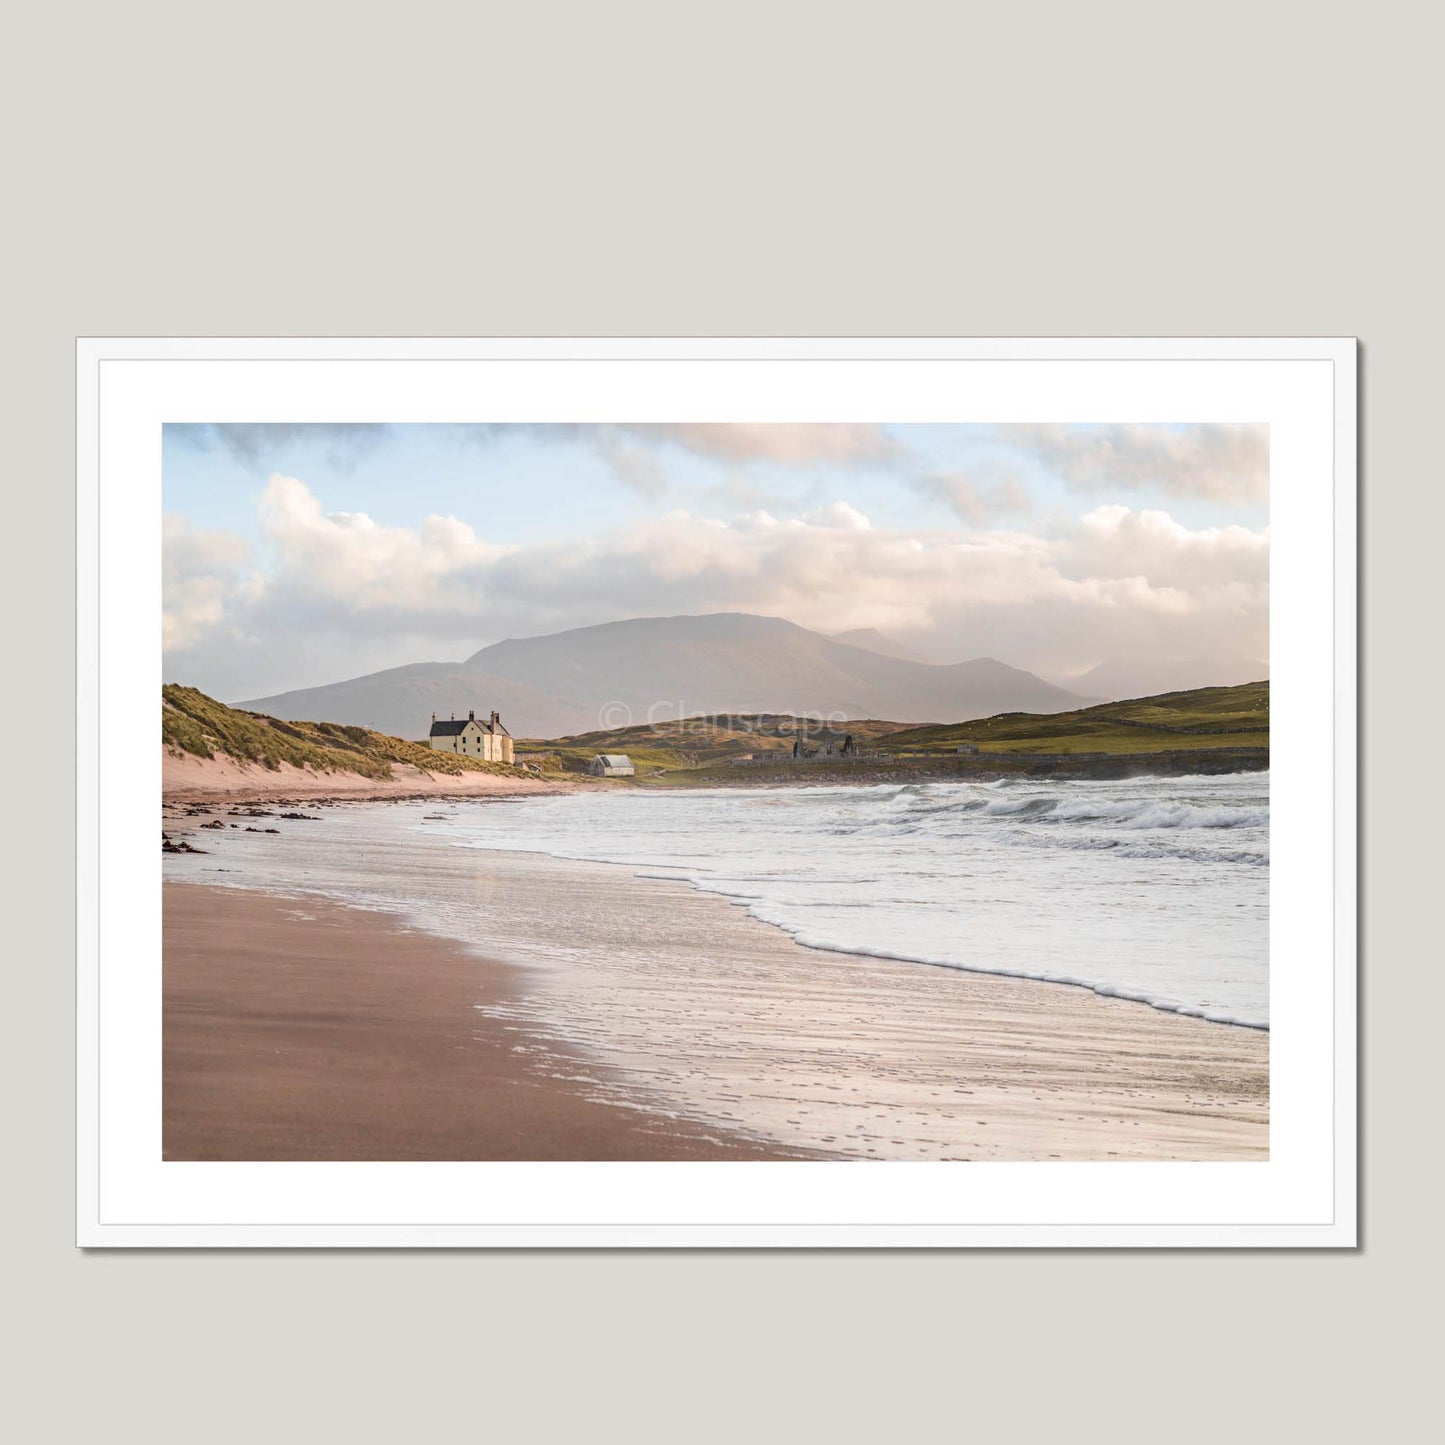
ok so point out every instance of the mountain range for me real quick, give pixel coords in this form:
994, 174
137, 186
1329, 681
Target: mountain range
1129, 677
667, 667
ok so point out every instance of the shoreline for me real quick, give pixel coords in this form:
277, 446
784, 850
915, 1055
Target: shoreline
910, 961
980, 768
305, 1029
188, 780
781, 1050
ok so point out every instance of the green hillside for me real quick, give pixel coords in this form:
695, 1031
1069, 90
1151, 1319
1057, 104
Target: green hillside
706, 750
727, 747
695, 742
1209, 717
191, 722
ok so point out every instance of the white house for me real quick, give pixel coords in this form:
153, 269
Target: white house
488, 741
611, 765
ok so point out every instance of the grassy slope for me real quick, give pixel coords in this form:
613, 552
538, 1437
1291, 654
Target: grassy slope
697, 742
1209, 717
1215, 717
191, 722
702, 749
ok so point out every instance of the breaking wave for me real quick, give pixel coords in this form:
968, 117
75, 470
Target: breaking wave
1152, 889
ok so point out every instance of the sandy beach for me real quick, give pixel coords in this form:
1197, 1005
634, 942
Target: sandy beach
307, 1030
186, 778
611, 1006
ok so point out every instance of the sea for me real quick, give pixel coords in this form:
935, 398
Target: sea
647, 935
1153, 889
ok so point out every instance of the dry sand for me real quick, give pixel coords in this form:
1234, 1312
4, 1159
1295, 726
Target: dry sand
190, 779
307, 1030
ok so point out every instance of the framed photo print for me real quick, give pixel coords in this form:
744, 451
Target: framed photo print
717, 792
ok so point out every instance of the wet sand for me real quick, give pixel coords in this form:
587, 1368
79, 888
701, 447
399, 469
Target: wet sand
305, 1030
696, 1006
617, 1005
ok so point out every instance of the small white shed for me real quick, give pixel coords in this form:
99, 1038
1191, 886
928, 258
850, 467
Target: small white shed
611, 765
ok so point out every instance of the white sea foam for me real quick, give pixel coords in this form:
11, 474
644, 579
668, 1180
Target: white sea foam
651, 995
1151, 889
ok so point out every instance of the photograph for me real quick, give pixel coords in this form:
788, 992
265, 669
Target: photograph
849, 765
682, 791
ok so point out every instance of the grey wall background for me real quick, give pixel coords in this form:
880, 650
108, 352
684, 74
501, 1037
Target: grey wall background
741, 169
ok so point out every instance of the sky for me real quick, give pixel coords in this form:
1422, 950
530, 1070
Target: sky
296, 555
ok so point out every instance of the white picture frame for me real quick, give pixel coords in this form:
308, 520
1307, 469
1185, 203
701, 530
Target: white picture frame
1303, 1196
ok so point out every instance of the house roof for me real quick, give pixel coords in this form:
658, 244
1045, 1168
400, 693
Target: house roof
614, 760
451, 727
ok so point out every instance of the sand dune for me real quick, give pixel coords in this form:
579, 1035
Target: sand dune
193, 779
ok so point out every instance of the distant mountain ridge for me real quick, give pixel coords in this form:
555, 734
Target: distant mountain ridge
1126, 678
871, 640
613, 673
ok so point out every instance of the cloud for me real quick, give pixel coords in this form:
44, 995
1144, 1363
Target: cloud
348, 567
794, 444
1115, 582
979, 498
637, 452
202, 581
255, 444
1216, 462
791, 444
495, 433
1115, 541
634, 466
1213, 462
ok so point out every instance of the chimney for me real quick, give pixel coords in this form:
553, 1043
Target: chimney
472, 716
